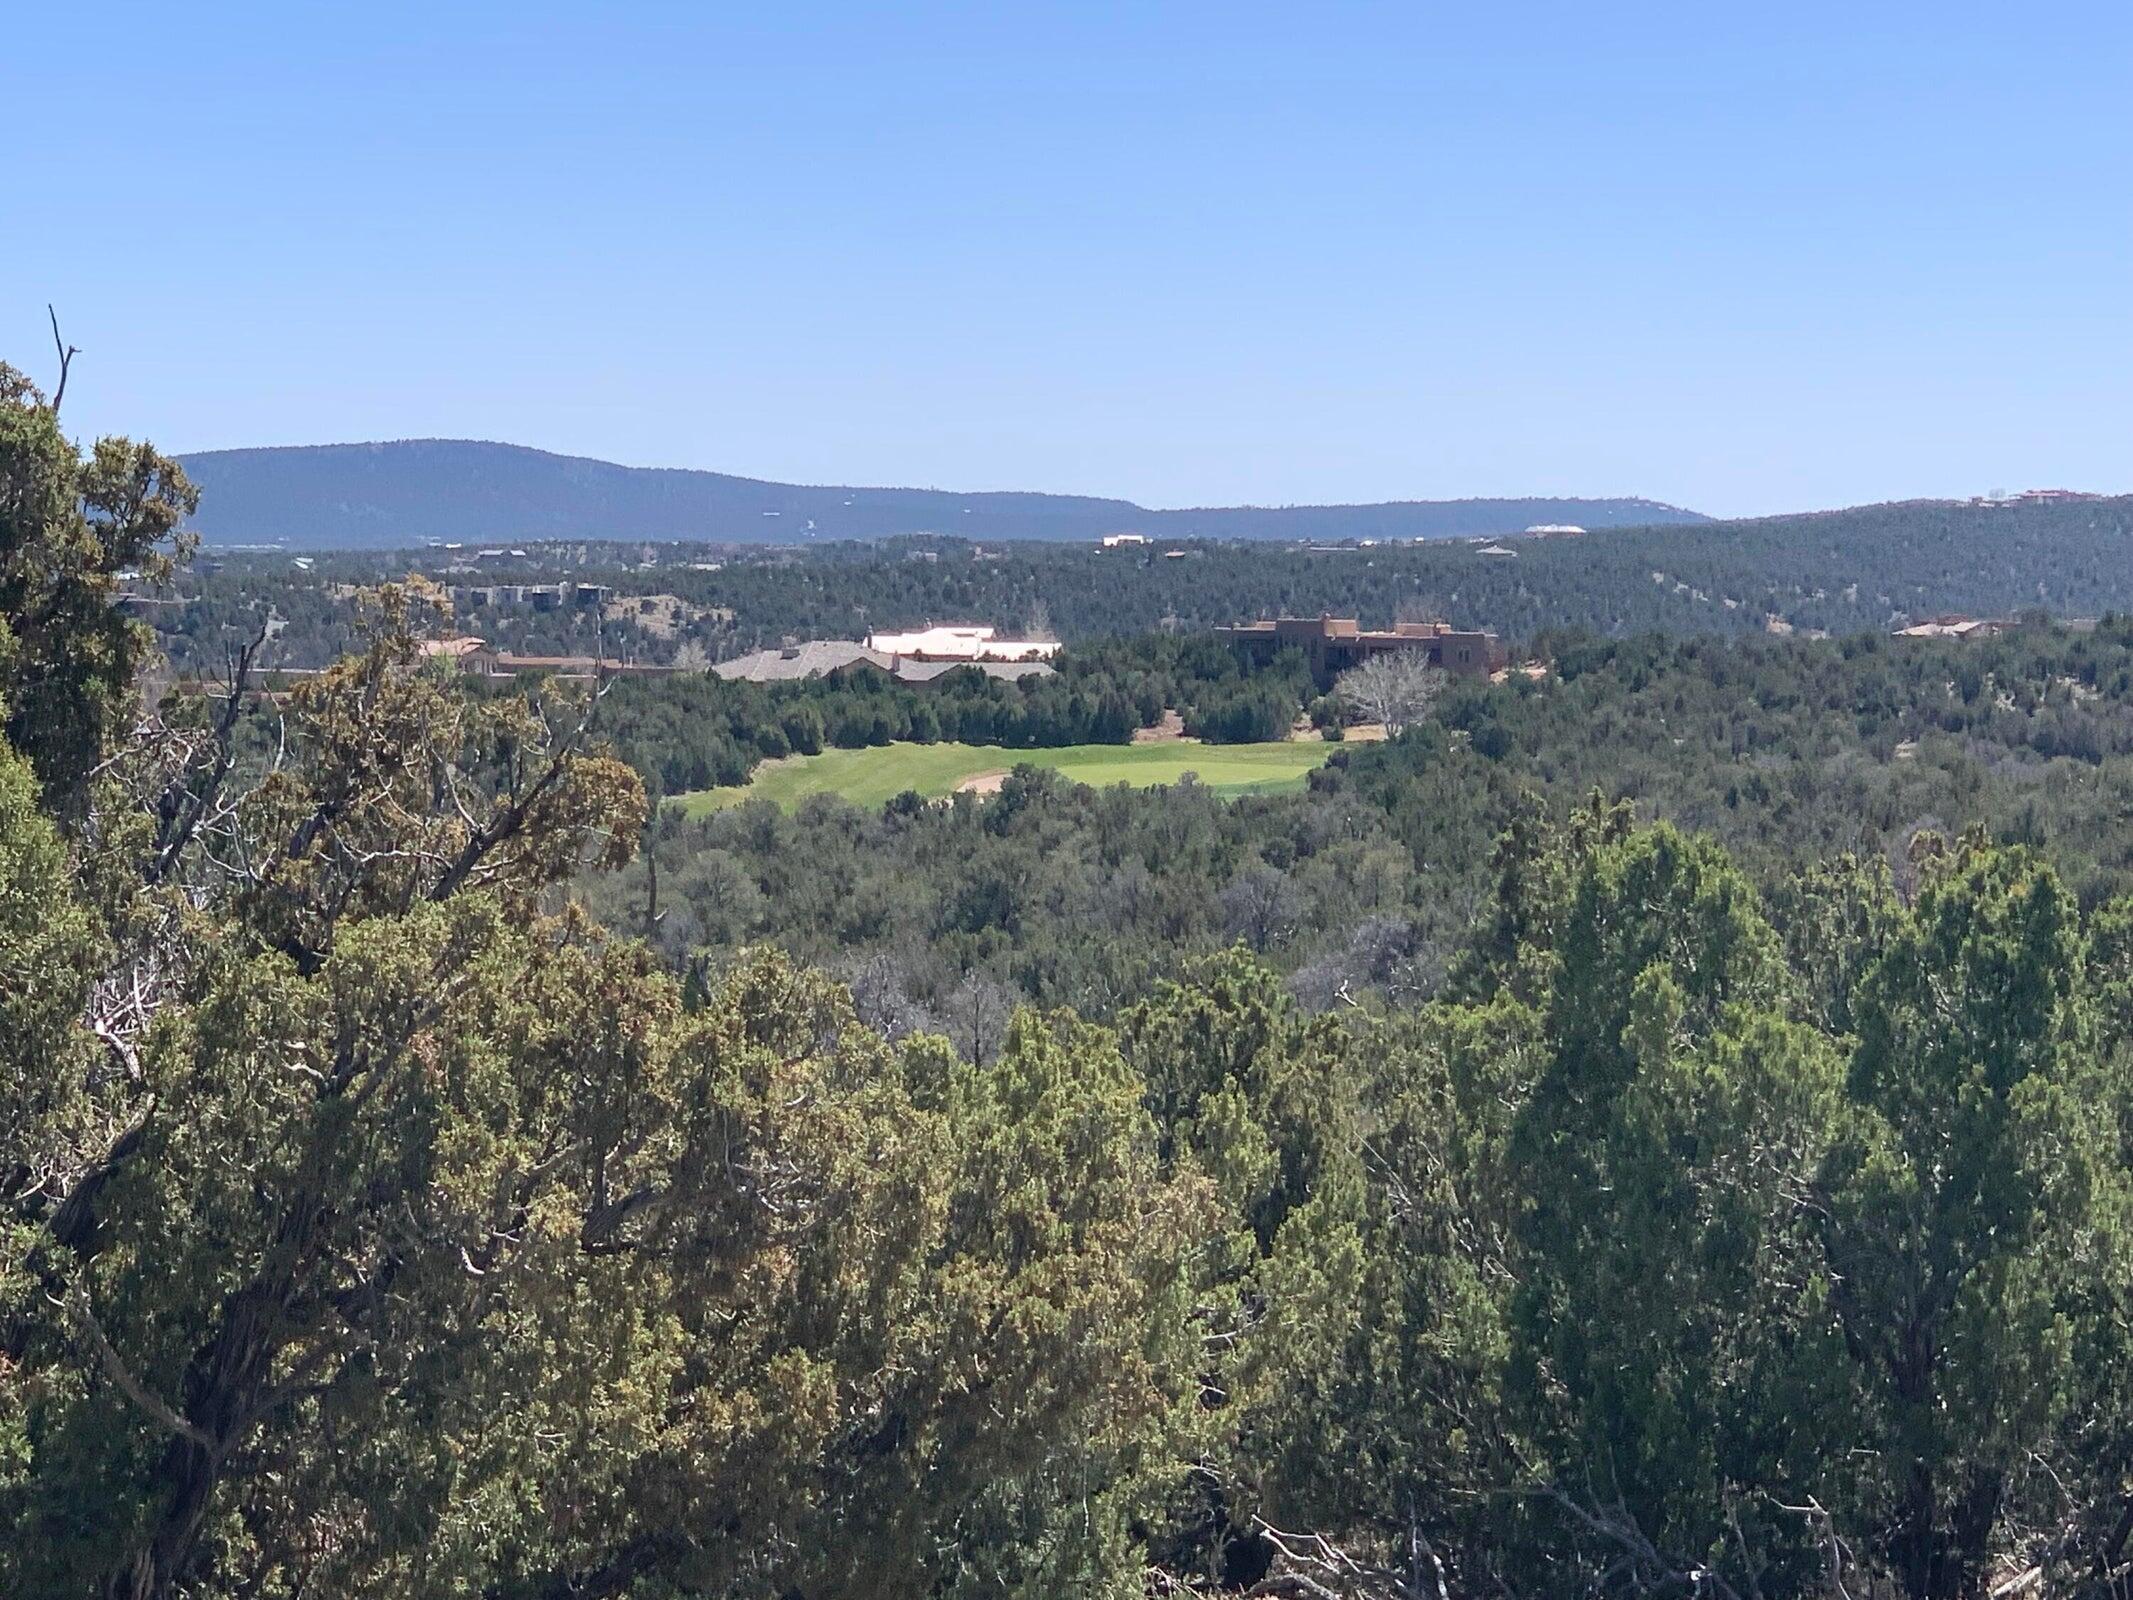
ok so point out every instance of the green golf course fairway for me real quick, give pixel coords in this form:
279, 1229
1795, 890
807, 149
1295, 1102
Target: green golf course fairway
870, 777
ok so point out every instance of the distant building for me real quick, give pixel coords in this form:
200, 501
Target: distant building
796, 661
1112, 541
474, 656
2035, 497
908, 671
501, 664
959, 643
456, 650
1554, 530
817, 657
1334, 644
1956, 627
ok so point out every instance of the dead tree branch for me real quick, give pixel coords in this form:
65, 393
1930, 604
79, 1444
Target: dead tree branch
67, 353
132, 1387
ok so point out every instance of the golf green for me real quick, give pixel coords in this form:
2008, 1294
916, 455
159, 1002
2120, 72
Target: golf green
871, 776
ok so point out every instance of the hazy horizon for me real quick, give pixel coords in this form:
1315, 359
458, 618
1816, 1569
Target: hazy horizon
935, 488
1191, 256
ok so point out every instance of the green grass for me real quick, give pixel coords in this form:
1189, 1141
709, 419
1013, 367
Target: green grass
869, 777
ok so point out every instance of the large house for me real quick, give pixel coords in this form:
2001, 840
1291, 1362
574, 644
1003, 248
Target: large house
960, 644
819, 656
1334, 644
1956, 627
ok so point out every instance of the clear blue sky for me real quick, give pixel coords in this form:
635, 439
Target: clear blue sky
1743, 258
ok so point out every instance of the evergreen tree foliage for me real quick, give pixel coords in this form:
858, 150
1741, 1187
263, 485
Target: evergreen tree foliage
426, 1171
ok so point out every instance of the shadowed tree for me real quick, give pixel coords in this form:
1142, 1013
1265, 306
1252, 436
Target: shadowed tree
1674, 1133
1260, 906
1967, 1201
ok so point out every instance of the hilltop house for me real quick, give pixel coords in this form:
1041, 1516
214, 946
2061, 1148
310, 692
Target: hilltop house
958, 643
1956, 627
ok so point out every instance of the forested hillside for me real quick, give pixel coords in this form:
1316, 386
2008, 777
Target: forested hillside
1786, 751
322, 497
1659, 1129
697, 731
1837, 572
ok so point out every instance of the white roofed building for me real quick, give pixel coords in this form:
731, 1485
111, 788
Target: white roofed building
961, 644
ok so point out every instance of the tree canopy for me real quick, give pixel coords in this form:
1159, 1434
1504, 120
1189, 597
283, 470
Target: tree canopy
429, 1171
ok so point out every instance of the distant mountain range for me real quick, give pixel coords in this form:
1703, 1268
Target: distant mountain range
346, 496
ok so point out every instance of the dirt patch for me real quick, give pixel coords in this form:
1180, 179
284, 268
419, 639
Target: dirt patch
1169, 728
663, 616
1302, 732
982, 782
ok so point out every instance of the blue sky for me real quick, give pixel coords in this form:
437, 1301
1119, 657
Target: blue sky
1744, 258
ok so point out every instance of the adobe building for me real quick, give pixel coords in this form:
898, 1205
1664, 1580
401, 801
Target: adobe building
1334, 644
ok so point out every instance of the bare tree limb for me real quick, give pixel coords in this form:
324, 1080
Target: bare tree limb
67, 353
134, 1390
184, 805
1396, 690
1616, 1526
1311, 1566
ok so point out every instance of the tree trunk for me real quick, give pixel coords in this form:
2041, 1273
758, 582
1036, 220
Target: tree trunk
223, 1401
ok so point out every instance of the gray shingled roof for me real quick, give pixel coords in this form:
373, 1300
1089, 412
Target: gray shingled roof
802, 661
927, 671
818, 656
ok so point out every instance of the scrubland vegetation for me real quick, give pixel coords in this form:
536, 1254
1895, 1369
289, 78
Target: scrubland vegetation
1660, 1128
